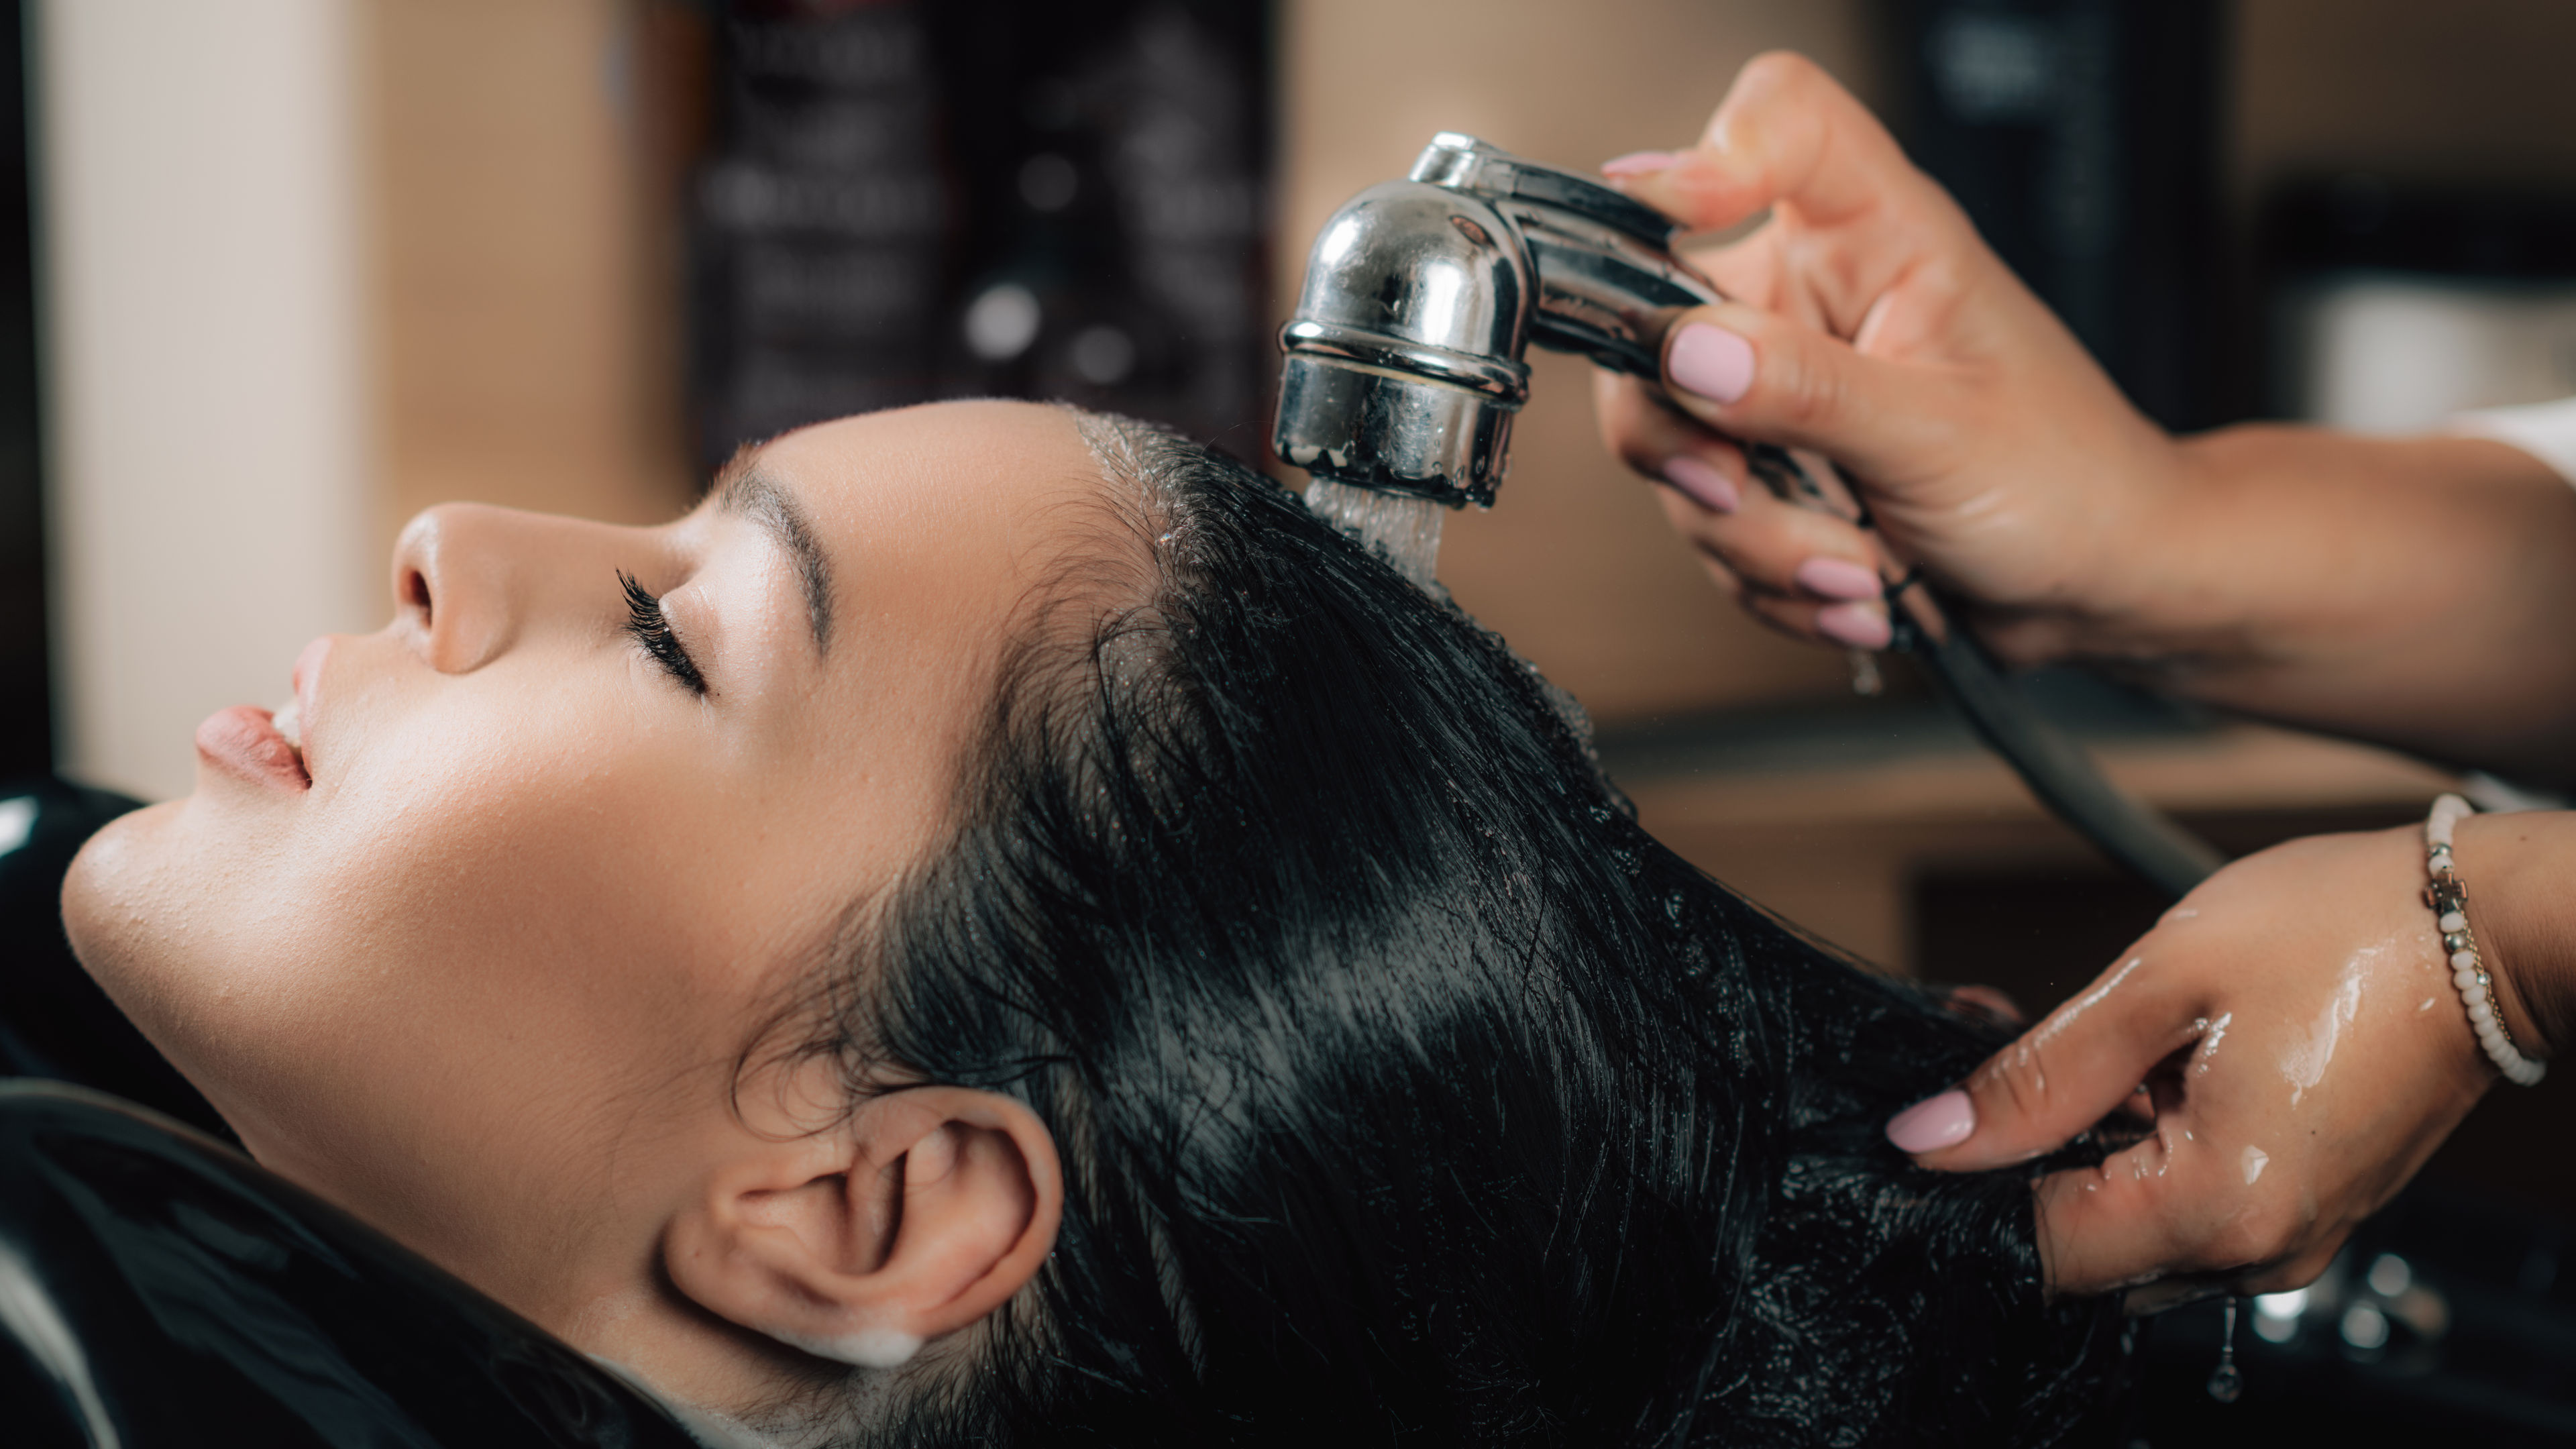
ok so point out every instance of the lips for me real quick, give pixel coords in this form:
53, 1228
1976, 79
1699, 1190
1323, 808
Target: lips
268, 747
243, 741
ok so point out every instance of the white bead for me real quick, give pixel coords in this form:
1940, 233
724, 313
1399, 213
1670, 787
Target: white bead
2464, 960
2464, 979
2475, 995
2481, 1013
2454, 921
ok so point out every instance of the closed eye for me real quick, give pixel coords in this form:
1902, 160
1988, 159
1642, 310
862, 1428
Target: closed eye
651, 628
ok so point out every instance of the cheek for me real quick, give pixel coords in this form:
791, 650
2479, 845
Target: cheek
470, 830
519, 903
540, 874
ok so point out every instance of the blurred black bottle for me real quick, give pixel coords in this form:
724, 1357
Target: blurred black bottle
986, 197
824, 218
2082, 137
1118, 248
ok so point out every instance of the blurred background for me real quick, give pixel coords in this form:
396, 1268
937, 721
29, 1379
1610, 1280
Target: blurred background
275, 274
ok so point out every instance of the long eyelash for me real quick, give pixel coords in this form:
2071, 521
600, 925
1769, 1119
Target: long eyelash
645, 621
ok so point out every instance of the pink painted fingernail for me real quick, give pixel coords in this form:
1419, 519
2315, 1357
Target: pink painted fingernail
1933, 1123
1856, 624
1711, 361
1702, 484
1837, 578
1638, 163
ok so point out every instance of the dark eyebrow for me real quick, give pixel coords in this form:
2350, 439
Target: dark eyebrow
742, 488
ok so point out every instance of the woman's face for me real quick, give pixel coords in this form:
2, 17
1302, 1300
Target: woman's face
503, 931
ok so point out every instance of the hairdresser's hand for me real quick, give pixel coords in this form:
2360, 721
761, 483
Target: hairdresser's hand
2303, 1050
1873, 325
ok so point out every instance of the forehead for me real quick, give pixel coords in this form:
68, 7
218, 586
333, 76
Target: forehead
939, 518
989, 467
939, 524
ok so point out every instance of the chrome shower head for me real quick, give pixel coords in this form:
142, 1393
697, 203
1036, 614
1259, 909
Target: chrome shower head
1404, 362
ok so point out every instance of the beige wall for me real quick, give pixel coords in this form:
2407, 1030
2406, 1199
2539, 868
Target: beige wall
525, 304
208, 486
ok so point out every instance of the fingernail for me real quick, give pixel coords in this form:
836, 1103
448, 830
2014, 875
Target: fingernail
1711, 361
1703, 484
1858, 625
1837, 578
1638, 163
1933, 1123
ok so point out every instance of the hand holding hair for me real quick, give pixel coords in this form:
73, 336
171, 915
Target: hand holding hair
2303, 1049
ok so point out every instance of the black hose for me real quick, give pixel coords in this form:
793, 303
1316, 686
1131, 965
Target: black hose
2056, 769
2059, 772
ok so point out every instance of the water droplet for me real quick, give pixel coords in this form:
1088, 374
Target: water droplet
2226, 1383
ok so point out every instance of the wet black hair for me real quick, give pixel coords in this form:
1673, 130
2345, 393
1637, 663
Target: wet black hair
1407, 1091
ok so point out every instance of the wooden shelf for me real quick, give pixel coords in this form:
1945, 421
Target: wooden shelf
1839, 848
2240, 768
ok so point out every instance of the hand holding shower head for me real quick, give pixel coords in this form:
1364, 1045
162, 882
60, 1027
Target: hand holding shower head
1404, 370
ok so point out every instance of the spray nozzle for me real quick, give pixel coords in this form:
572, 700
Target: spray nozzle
1404, 358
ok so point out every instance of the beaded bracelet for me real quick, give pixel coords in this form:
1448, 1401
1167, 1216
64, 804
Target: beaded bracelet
2448, 897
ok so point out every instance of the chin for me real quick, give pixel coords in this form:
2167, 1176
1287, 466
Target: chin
128, 903
107, 894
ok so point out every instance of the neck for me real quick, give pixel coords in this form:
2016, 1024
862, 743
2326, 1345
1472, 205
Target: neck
710, 1428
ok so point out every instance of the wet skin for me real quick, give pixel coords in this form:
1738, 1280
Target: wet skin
2300, 1066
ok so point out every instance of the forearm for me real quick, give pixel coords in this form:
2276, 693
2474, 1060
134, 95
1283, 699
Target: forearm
2420, 592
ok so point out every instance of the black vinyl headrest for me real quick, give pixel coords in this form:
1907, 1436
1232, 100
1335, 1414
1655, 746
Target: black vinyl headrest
160, 1289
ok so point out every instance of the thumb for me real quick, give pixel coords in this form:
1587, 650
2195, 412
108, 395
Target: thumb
1788, 136
2064, 1075
1754, 374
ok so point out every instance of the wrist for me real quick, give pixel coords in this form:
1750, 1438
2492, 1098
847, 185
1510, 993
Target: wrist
2108, 583
2139, 598
2517, 867
2211, 569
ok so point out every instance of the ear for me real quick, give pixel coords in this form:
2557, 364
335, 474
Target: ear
922, 1213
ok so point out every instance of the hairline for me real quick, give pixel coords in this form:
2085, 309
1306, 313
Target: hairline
850, 953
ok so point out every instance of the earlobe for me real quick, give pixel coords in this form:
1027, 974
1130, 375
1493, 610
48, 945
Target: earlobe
919, 1216
875, 1348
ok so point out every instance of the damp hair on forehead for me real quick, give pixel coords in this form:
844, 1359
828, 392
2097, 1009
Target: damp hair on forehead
1406, 1090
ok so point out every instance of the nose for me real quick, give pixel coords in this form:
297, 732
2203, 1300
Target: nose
470, 578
